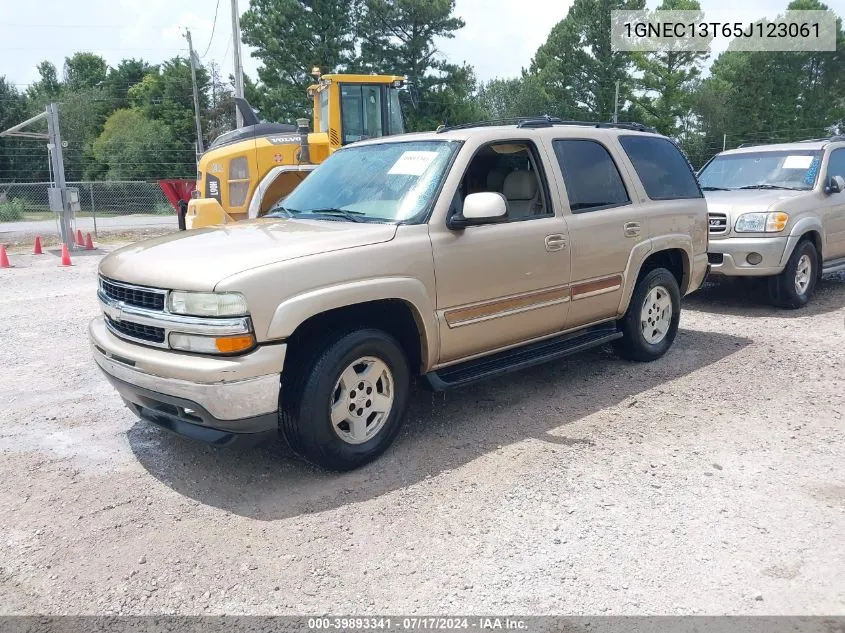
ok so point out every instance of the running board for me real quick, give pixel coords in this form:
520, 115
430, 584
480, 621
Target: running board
520, 358
834, 267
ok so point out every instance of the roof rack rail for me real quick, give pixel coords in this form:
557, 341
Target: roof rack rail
546, 121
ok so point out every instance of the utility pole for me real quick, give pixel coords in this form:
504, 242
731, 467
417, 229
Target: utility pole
200, 149
724, 141
58, 164
239, 71
616, 104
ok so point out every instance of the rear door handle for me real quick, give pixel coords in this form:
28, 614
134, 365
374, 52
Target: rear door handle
555, 242
632, 229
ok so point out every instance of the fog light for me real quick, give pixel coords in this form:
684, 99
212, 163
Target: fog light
754, 258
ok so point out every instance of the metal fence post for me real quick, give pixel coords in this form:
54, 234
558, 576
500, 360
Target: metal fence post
93, 209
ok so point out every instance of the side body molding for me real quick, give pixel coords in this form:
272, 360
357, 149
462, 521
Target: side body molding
294, 311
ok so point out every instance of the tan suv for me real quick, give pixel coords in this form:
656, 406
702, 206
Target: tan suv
778, 211
454, 255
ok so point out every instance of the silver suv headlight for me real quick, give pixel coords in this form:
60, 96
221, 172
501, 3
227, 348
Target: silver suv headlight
207, 304
773, 222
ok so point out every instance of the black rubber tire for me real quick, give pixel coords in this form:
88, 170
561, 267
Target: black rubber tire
632, 345
782, 291
305, 422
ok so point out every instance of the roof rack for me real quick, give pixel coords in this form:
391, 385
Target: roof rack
546, 121
825, 139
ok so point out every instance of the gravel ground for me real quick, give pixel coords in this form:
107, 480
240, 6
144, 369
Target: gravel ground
710, 481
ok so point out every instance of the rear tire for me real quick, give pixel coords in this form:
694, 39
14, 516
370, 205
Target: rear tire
793, 288
651, 321
344, 405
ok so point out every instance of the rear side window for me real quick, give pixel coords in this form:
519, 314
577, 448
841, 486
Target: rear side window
662, 168
590, 175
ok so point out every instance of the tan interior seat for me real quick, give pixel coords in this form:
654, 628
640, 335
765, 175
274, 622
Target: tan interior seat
520, 189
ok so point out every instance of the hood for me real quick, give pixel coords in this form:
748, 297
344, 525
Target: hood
735, 202
199, 259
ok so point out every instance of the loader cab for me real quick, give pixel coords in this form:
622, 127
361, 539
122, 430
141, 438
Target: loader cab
349, 108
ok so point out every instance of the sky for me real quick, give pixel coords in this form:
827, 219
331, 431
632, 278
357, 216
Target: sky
499, 38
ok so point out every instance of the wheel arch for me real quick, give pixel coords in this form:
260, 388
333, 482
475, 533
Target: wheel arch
393, 307
671, 252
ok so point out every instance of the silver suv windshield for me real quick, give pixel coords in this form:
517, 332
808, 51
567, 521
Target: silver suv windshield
385, 182
781, 169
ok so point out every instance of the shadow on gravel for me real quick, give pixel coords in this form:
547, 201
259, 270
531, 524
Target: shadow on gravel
748, 296
441, 432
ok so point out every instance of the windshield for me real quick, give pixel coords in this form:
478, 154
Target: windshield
386, 182
786, 169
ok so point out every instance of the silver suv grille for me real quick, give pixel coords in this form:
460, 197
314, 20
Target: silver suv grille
718, 223
140, 297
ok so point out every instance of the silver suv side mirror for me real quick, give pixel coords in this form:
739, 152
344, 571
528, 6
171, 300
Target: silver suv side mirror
484, 207
835, 184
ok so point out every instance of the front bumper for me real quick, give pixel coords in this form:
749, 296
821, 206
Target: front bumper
728, 256
224, 401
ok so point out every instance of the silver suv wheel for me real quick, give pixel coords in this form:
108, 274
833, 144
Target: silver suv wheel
362, 400
656, 315
803, 272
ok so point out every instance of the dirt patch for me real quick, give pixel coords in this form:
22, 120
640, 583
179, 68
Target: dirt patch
709, 481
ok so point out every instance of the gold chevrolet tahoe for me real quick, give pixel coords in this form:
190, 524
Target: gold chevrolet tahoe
778, 211
454, 255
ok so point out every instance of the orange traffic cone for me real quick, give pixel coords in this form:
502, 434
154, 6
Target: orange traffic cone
89, 245
79, 239
37, 249
65, 256
4, 258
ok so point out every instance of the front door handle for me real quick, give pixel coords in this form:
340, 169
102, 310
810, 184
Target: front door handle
632, 229
555, 242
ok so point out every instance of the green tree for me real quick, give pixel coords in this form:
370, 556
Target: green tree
46, 89
773, 96
20, 159
132, 147
84, 70
121, 78
515, 97
577, 65
668, 80
400, 39
290, 37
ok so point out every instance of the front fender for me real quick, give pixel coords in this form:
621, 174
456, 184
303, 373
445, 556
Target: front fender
800, 229
293, 312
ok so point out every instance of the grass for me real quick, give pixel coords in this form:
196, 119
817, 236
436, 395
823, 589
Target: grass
34, 216
11, 211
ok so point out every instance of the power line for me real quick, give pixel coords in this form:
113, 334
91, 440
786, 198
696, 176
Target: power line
213, 26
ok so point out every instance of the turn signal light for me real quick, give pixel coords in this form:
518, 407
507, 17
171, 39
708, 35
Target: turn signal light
234, 344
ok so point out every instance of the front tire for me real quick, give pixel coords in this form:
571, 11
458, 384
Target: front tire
793, 288
344, 406
651, 322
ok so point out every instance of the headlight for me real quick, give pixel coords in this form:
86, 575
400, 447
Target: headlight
212, 344
761, 222
207, 304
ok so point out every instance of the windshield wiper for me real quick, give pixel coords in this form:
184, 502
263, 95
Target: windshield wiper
769, 186
352, 216
279, 212
715, 189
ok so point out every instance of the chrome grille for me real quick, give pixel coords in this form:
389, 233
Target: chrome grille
718, 223
137, 330
138, 296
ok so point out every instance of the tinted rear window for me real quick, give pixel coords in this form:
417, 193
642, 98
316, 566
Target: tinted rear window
590, 175
662, 168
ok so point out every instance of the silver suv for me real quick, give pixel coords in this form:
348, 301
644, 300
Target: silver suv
778, 211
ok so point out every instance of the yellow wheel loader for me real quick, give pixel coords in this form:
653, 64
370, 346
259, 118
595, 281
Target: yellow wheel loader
246, 171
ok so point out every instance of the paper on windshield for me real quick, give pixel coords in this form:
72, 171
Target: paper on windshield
412, 163
797, 162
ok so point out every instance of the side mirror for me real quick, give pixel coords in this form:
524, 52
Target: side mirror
835, 184
485, 207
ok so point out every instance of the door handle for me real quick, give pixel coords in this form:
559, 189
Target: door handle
555, 242
632, 229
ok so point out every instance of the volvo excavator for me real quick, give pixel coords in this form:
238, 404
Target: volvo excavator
246, 171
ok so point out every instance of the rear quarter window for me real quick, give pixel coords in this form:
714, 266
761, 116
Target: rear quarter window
662, 168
